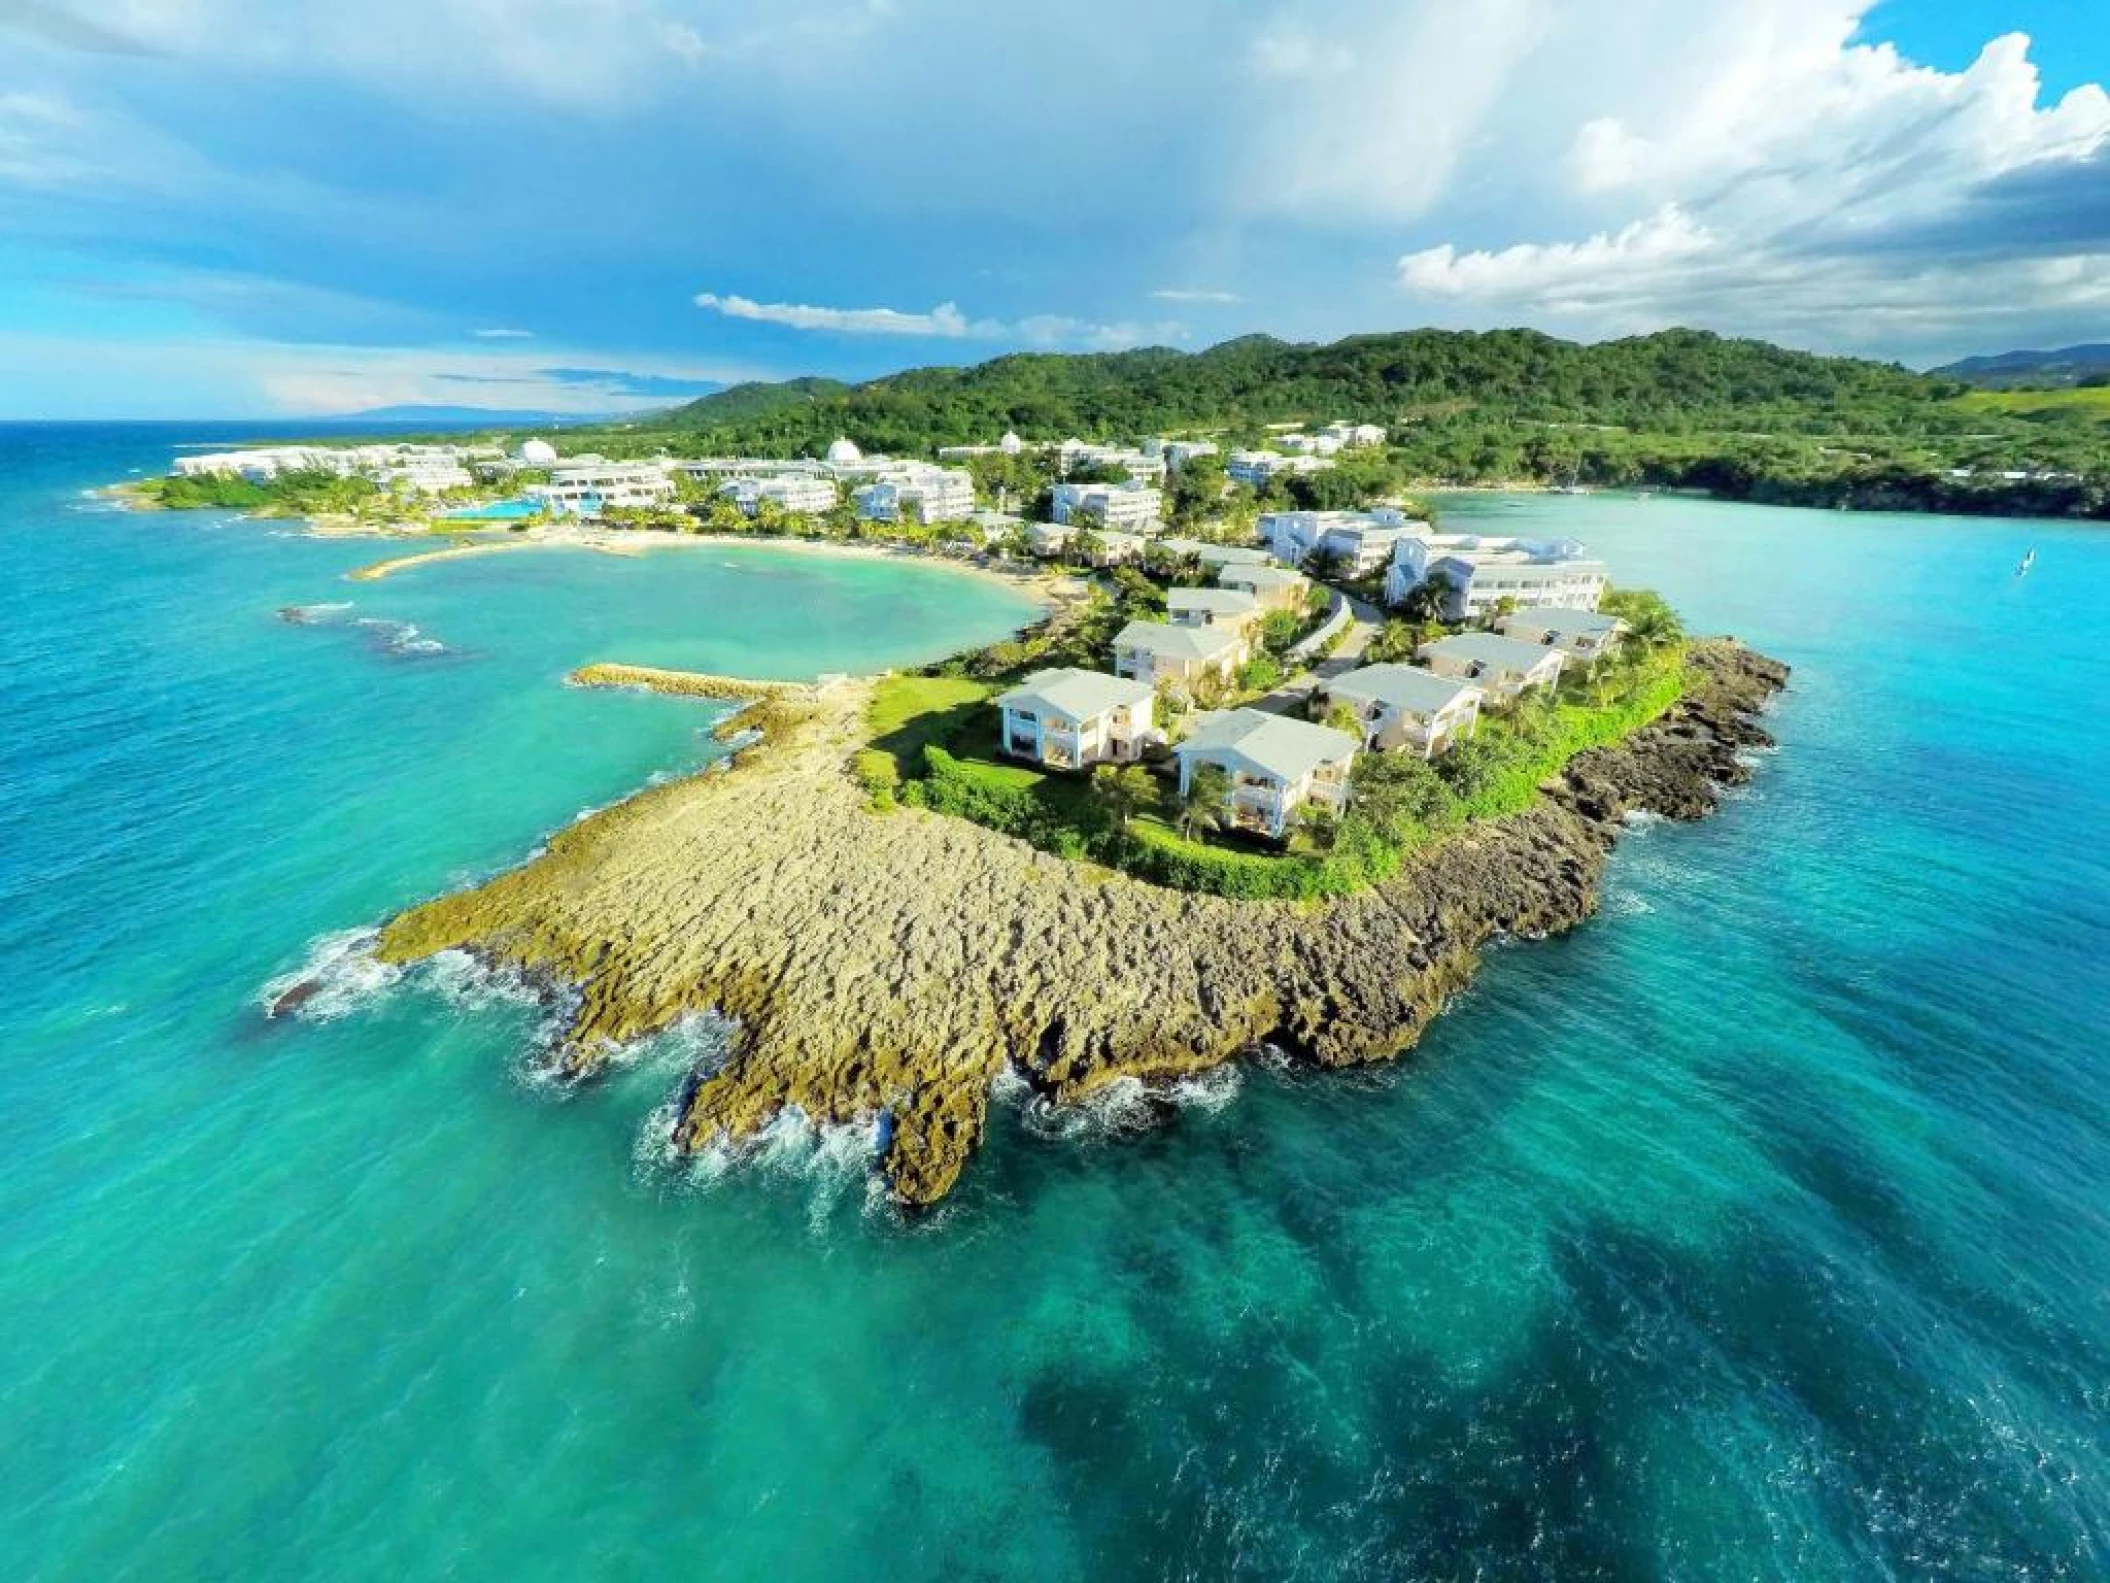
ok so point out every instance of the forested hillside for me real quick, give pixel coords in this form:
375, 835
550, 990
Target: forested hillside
1679, 409
1677, 381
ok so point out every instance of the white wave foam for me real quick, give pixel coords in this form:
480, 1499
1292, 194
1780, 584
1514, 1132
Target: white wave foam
1627, 904
317, 613
833, 1158
1128, 1106
340, 975
1642, 818
400, 637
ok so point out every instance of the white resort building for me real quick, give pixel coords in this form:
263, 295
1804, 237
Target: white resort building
1261, 468
1585, 636
1502, 668
800, 494
1147, 463
1482, 572
1009, 445
1069, 719
1358, 542
905, 491
1276, 765
1402, 707
1154, 652
586, 486
1131, 508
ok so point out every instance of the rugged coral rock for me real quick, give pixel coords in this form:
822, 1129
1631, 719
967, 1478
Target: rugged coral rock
893, 965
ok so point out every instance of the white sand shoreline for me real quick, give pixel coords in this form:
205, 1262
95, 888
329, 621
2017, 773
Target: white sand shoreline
1048, 588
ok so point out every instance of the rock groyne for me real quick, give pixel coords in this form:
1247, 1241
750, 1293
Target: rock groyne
894, 965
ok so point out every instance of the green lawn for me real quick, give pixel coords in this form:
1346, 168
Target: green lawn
909, 713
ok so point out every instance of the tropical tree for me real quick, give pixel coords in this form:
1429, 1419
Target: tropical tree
1428, 599
1399, 794
1651, 623
1207, 803
1122, 789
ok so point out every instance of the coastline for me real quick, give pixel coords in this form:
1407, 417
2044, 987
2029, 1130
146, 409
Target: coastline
1047, 587
889, 969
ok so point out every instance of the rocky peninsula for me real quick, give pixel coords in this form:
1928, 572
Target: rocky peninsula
887, 968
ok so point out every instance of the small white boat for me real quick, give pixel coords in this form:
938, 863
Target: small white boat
2028, 561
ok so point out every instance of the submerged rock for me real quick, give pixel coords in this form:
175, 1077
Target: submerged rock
895, 965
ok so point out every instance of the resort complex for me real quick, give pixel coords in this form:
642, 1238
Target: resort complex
1243, 665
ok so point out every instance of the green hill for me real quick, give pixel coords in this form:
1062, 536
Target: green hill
1676, 381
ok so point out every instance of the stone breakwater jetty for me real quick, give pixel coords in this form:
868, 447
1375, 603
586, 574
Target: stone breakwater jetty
895, 965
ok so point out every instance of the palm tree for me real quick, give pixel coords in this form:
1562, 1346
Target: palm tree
1207, 801
1122, 789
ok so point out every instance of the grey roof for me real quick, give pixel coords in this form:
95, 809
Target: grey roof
1216, 601
1418, 692
1232, 555
1550, 618
1176, 643
1268, 578
1487, 648
1074, 694
1263, 744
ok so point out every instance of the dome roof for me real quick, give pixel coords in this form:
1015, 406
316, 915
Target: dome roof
844, 451
537, 453
1011, 444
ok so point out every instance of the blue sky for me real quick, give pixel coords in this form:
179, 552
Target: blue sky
224, 207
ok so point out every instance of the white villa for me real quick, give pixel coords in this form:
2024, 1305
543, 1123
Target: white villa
1069, 719
1272, 587
1153, 652
1213, 607
586, 486
1130, 507
1261, 468
1050, 539
1482, 572
1360, 541
1276, 765
802, 493
1403, 707
1584, 636
1353, 436
1502, 668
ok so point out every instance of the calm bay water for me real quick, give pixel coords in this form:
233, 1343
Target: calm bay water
1756, 1230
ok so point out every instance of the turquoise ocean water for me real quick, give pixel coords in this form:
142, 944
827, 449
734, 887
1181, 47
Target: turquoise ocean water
1756, 1230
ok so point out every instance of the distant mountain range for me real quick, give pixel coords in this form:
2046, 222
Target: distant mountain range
468, 416
2068, 366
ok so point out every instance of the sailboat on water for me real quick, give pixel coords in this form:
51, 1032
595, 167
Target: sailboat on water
2028, 561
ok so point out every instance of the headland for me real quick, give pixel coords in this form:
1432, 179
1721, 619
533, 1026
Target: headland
889, 968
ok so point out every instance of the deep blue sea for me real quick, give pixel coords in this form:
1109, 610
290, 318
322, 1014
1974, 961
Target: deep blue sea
1760, 1229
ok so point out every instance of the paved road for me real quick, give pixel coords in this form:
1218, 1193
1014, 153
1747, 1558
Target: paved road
1290, 697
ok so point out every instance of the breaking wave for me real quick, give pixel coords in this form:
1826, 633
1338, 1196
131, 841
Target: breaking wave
400, 638
340, 975
1123, 1108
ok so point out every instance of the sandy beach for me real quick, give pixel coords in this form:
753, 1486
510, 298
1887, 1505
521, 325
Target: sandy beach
1047, 587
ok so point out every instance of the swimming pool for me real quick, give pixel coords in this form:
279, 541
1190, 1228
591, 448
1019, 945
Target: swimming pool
496, 511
